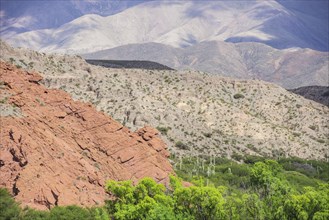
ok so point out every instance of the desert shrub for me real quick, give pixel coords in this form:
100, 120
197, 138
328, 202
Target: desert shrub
207, 135
321, 141
163, 130
181, 145
251, 159
313, 127
238, 96
299, 180
237, 157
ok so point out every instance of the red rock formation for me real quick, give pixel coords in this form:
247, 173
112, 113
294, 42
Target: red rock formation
61, 152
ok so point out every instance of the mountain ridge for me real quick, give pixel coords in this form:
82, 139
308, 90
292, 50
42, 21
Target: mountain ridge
288, 68
190, 22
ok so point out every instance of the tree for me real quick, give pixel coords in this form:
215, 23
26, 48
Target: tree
312, 204
146, 200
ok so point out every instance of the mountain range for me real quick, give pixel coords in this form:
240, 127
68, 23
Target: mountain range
22, 16
279, 24
247, 60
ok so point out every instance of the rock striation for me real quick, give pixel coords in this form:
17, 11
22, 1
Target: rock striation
58, 151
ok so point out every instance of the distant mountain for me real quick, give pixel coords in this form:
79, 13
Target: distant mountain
288, 68
22, 16
185, 23
319, 94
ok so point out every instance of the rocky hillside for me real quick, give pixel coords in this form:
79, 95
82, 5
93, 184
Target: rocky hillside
56, 151
316, 93
196, 113
287, 68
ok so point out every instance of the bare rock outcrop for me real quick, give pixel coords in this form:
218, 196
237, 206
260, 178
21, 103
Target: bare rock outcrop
61, 151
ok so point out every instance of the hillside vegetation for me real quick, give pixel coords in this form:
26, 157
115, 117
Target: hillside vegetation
267, 190
196, 113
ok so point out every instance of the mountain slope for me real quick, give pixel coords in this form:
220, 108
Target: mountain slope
316, 93
21, 16
288, 68
197, 113
190, 22
56, 151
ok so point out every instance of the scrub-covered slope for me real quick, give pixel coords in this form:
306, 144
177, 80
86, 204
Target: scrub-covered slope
197, 113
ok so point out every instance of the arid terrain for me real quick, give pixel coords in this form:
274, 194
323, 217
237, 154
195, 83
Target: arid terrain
197, 113
163, 110
56, 151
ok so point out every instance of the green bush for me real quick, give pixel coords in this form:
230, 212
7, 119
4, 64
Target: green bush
163, 130
70, 213
9, 209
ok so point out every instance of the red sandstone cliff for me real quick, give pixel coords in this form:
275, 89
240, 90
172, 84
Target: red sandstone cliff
61, 152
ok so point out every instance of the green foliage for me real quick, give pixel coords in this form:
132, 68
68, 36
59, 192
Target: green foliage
222, 189
149, 200
259, 189
199, 202
146, 200
310, 168
70, 213
313, 204
31, 214
9, 209
163, 130
299, 180
264, 173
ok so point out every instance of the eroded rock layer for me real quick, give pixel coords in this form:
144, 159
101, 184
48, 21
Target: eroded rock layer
58, 151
